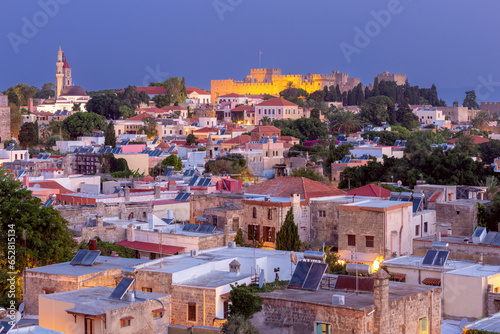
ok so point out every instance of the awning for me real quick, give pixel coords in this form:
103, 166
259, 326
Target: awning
225, 295
398, 277
367, 258
432, 281
126, 318
151, 247
86, 311
158, 310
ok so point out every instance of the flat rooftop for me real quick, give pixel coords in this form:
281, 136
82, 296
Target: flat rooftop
458, 239
479, 270
415, 262
353, 300
103, 263
176, 263
376, 203
214, 279
96, 301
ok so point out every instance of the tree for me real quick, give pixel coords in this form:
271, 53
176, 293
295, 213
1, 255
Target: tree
107, 105
343, 122
109, 135
27, 135
76, 107
315, 113
172, 160
191, 139
492, 186
126, 112
287, 237
308, 173
238, 325
149, 127
265, 121
22, 214
238, 238
175, 92
132, 99
410, 121
378, 109
481, 120
83, 123
244, 302
46, 92
16, 120
465, 145
231, 163
470, 100
489, 151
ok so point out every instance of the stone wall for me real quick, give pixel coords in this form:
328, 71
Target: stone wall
493, 303
204, 299
325, 229
462, 215
199, 202
4, 121
105, 233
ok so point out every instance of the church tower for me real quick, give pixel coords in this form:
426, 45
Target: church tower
210, 147
59, 73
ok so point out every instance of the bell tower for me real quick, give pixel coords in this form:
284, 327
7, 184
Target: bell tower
59, 72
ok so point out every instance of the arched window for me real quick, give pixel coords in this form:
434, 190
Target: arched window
269, 214
254, 212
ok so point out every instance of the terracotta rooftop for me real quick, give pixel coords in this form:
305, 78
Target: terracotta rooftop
231, 95
287, 185
370, 190
265, 128
139, 117
172, 108
150, 247
52, 185
240, 140
243, 108
477, 140
276, 101
189, 90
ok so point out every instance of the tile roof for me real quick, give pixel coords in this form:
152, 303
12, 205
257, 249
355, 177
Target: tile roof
232, 95
276, 101
287, 185
52, 185
172, 108
163, 145
189, 90
370, 190
207, 129
244, 108
139, 117
477, 140
150, 247
265, 128
288, 138
240, 140
432, 281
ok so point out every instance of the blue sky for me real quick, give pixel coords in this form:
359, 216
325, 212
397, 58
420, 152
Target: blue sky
111, 44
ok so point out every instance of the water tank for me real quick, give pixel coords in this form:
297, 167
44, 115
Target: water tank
310, 255
194, 252
353, 268
150, 221
93, 244
338, 299
170, 214
129, 296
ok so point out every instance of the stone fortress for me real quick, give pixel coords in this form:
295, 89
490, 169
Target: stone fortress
4, 119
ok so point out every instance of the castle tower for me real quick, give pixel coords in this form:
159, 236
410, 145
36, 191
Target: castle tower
59, 73
4, 119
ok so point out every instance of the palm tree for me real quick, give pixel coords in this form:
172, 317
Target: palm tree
481, 120
265, 121
343, 122
492, 186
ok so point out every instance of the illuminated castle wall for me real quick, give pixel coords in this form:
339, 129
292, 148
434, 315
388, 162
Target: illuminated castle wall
271, 81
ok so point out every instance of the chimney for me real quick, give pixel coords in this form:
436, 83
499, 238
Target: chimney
99, 221
381, 301
450, 197
30, 104
438, 236
234, 267
26, 181
157, 191
126, 190
131, 232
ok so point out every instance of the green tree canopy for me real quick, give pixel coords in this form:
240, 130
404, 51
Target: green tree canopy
175, 92
287, 237
83, 123
172, 160
489, 151
22, 214
191, 140
109, 135
470, 100
308, 173
244, 301
149, 127
107, 105
132, 99
28, 135
378, 109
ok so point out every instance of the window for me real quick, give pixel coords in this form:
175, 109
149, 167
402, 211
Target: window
157, 314
144, 289
425, 227
321, 213
423, 326
269, 234
259, 111
254, 212
253, 231
89, 326
270, 214
323, 328
125, 322
279, 111
370, 241
351, 240
226, 309
48, 291
417, 229
191, 311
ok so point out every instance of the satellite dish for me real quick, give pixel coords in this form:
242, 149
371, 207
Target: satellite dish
293, 257
21, 307
399, 183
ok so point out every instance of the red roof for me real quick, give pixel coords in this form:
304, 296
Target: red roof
65, 64
432, 281
189, 90
52, 185
243, 108
288, 138
370, 190
232, 95
207, 129
240, 140
173, 108
276, 101
434, 197
477, 140
139, 117
150, 247
265, 128
163, 145
147, 178
287, 185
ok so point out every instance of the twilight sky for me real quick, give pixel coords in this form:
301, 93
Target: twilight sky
112, 44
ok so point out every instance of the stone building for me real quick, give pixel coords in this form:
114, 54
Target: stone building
4, 119
60, 277
399, 79
386, 308
93, 311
